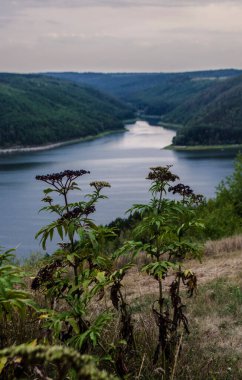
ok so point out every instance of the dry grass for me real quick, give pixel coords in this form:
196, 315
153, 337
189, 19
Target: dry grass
226, 245
216, 333
213, 350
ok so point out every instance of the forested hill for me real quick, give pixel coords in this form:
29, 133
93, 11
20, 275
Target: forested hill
151, 93
207, 104
212, 117
36, 110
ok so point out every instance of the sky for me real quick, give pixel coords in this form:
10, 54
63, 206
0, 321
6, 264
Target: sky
120, 35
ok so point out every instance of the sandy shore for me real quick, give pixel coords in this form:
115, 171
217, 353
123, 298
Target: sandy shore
32, 149
56, 145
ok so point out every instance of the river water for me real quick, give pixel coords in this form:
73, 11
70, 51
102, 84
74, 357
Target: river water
122, 159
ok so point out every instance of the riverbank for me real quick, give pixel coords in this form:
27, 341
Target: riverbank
173, 126
203, 147
155, 120
19, 149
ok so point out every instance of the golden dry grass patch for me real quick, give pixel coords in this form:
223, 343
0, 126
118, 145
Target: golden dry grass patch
137, 283
225, 245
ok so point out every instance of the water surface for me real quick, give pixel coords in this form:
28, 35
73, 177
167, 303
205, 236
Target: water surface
122, 159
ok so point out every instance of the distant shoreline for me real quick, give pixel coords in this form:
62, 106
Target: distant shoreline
22, 149
202, 147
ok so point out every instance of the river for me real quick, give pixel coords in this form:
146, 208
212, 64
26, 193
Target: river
122, 159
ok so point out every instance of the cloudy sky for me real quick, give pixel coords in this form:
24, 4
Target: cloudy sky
120, 35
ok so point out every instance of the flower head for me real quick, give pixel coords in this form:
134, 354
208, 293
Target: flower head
162, 174
99, 185
58, 177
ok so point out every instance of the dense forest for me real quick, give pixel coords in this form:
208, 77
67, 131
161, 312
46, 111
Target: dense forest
206, 104
36, 110
152, 93
212, 117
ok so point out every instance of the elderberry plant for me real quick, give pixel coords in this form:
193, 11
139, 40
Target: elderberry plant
163, 235
76, 277
77, 272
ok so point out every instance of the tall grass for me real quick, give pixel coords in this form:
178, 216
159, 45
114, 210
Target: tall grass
225, 245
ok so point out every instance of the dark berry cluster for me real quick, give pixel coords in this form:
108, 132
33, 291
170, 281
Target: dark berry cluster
181, 189
58, 177
78, 211
162, 174
45, 274
89, 210
186, 192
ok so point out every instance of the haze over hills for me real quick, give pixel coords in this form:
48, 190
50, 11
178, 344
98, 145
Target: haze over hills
36, 110
205, 103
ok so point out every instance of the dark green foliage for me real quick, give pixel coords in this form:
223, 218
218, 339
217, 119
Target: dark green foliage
13, 297
213, 117
36, 110
223, 214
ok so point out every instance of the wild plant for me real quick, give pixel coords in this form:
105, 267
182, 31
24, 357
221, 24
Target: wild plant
77, 277
14, 298
163, 235
80, 271
16, 304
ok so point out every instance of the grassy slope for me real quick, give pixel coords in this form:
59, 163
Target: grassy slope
35, 110
212, 351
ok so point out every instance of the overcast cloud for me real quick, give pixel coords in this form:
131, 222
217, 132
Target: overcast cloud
119, 35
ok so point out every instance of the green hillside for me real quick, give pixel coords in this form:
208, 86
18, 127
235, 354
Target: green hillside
206, 104
151, 93
41, 109
37, 110
212, 117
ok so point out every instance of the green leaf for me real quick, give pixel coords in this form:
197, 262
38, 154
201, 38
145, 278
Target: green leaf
74, 324
3, 361
101, 277
71, 259
48, 190
159, 268
71, 229
60, 231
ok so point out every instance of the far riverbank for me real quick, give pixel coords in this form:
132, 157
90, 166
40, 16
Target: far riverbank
203, 147
19, 149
